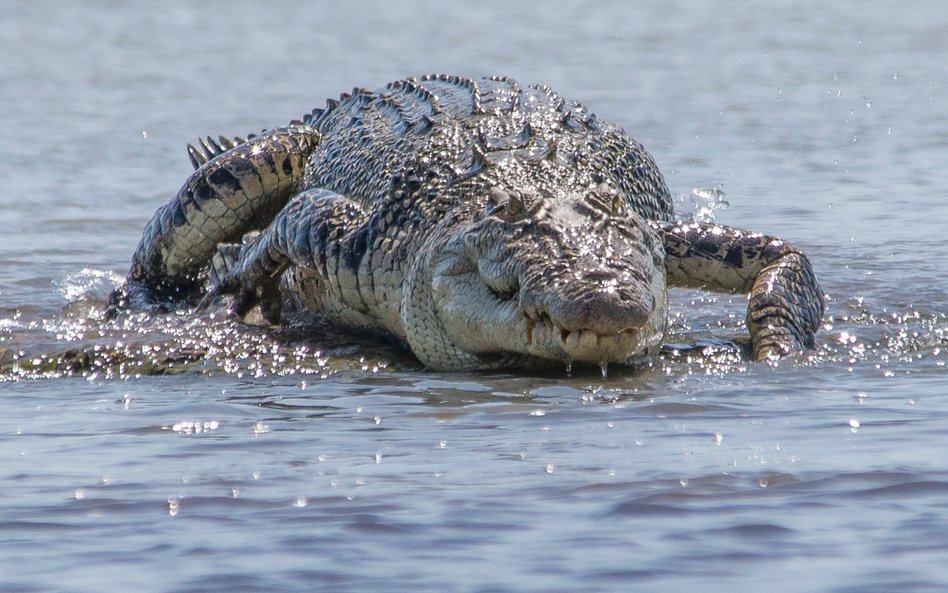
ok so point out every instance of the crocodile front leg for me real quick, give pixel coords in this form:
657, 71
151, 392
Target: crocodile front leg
236, 191
785, 304
320, 238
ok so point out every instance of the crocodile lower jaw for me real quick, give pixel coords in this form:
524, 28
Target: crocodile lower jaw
544, 338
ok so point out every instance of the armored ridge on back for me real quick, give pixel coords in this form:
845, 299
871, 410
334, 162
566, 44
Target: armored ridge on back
485, 224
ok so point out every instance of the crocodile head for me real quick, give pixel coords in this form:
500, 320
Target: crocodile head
535, 279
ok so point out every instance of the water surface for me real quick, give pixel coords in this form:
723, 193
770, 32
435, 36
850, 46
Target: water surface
192, 453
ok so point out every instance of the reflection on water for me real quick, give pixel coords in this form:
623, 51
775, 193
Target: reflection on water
189, 452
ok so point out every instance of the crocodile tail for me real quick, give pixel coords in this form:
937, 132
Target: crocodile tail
234, 190
208, 148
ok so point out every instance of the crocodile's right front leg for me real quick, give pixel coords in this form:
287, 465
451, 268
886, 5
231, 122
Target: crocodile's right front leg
238, 190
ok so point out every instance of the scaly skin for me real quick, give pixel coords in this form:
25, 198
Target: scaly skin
485, 224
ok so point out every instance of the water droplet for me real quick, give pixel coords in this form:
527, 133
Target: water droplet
550, 468
442, 444
377, 419
762, 482
234, 492
604, 367
172, 506
718, 437
683, 482
378, 457
705, 201
300, 502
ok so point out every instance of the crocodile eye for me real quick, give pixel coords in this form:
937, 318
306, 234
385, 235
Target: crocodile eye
508, 205
505, 289
514, 205
496, 197
507, 294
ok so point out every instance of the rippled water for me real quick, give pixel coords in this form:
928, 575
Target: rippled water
190, 453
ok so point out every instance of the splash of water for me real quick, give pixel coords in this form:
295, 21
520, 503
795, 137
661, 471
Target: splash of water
704, 202
88, 283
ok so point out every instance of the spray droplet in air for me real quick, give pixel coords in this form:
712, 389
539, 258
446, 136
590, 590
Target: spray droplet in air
705, 201
604, 367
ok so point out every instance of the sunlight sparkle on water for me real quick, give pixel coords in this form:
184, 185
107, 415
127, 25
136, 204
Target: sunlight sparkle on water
193, 427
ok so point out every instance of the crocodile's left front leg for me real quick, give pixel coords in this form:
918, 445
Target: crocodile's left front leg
785, 304
322, 237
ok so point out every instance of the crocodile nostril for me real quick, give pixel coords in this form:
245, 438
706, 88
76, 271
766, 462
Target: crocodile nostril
599, 275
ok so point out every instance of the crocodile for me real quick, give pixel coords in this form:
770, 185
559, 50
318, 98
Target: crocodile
482, 223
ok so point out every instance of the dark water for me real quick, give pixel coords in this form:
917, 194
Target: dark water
263, 461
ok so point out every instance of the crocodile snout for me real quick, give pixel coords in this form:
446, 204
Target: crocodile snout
605, 311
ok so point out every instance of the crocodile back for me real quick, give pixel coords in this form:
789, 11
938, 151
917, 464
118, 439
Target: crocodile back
448, 136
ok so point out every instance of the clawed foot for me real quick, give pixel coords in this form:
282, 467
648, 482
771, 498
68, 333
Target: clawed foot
245, 298
774, 342
785, 309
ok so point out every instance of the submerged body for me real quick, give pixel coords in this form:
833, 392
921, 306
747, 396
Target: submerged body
485, 224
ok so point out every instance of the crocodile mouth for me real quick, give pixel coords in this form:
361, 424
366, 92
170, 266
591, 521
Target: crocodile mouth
546, 338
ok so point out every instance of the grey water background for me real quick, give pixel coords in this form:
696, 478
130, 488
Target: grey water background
328, 463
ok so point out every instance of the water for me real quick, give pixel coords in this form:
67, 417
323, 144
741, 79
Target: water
265, 461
